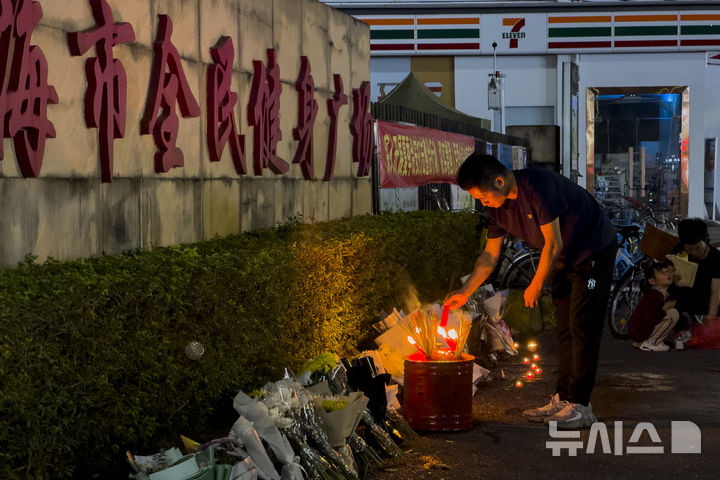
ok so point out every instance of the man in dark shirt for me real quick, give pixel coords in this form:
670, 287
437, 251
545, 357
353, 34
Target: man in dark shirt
579, 245
703, 298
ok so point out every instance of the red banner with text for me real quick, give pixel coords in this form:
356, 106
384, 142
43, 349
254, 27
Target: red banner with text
415, 156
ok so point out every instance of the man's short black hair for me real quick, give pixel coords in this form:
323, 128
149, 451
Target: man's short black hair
480, 170
692, 230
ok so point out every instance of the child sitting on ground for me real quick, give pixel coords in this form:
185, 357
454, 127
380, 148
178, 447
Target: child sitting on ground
655, 316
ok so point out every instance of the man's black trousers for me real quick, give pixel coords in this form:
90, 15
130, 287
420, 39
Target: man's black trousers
580, 295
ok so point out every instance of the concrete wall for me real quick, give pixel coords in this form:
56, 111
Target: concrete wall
67, 212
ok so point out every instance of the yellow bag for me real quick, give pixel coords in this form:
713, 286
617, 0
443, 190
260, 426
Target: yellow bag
685, 270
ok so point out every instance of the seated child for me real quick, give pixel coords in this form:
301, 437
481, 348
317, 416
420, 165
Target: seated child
655, 315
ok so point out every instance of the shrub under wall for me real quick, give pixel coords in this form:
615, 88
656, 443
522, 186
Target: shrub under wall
92, 351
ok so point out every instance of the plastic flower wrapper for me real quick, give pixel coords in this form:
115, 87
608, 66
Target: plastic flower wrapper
316, 466
340, 415
380, 435
260, 415
366, 456
244, 431
316, 432
397, 421
325, 368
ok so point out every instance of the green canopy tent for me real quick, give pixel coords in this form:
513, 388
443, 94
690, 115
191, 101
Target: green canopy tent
413, 94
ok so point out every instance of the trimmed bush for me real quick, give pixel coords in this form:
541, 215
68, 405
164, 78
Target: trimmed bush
92, 351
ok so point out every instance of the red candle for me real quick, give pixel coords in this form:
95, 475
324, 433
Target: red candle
444, 319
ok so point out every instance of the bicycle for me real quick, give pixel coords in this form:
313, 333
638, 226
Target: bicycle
627, 291
517, 263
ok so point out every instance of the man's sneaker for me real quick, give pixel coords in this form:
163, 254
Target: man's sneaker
547, 410
573, 416
654, 347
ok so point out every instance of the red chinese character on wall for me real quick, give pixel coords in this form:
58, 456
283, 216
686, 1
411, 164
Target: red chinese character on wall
307, 112
263, 114
168, 88
106, 93
362, 129
221, 103
338, 100
24, 91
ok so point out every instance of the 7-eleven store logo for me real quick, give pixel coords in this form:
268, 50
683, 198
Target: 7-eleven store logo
514, 34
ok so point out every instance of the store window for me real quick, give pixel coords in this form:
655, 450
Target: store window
637, 147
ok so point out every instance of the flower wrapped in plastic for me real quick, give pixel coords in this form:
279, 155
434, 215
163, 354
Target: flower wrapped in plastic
366, 456
264, 418
397, 421
380, 435
244, 432
315, 431
283, 396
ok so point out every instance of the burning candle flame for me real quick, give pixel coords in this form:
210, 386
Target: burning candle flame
526, 361
533, 366
538, 371
529, 375
532, 345
518, 384
536, 357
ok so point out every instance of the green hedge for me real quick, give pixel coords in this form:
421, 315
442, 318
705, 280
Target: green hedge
92, 351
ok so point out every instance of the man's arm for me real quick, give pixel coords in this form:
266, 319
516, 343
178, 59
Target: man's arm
550, 251
484, 266
714, 304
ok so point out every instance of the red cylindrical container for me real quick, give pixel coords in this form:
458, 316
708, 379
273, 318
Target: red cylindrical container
438, 395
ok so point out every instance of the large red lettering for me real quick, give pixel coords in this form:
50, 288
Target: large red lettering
106, 93
221, 103
307, 112
333, 104
24, 91
263, 114
362, 129
168, 88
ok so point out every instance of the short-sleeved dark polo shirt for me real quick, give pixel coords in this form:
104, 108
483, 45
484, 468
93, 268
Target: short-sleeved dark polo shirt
696, 299
543, 196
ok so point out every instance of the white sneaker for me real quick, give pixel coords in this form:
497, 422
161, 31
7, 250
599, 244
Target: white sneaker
654, 347
547, 410
573, 416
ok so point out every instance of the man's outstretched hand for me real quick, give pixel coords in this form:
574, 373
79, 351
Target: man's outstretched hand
456, 299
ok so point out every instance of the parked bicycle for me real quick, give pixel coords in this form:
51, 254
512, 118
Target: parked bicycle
630, 286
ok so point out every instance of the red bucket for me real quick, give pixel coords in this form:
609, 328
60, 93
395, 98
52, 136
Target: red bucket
438, 395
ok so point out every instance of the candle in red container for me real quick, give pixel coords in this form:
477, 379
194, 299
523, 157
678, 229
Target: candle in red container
536, 357
526, 361
538, 371
518, 384
529, 375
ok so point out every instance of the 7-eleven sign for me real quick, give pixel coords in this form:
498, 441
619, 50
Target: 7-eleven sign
515, 33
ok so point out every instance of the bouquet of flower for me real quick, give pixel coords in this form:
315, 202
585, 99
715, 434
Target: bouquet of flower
315, 431
380, 435
284, 395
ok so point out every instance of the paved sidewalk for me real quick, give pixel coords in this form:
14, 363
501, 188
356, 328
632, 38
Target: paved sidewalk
632, 387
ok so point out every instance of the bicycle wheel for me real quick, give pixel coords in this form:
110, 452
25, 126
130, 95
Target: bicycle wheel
623, 300
521, 272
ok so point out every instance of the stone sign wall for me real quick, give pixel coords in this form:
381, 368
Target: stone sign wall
139, 123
